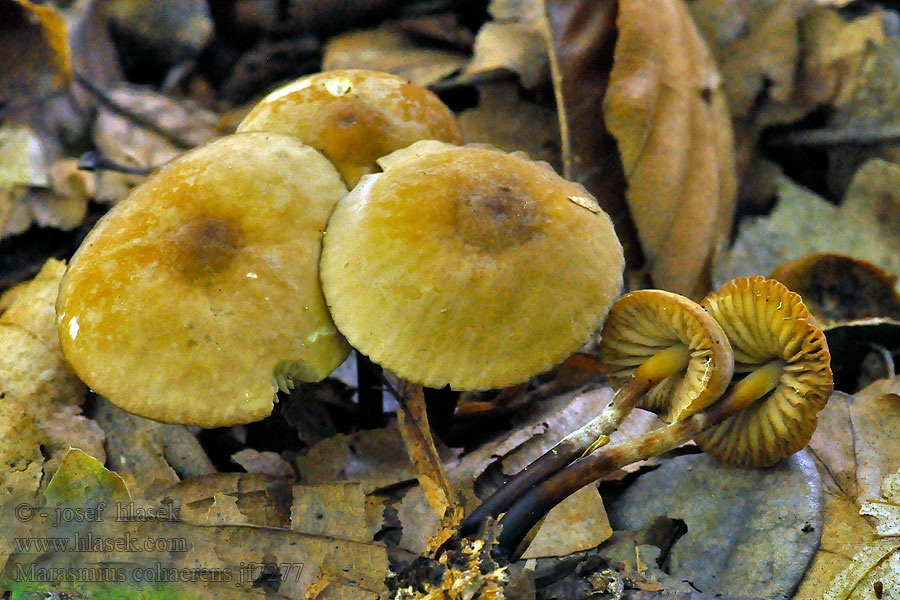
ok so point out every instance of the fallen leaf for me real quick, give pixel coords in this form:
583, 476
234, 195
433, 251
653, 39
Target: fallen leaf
149, 455
878, 561
666, 109
33, 308
34, 50
513, 41
873, 106
803, 223
750, 532
267, 463
260, 500
506, 120
334, 510
83, 481
758, 47
391, 51
578, 523
127, 143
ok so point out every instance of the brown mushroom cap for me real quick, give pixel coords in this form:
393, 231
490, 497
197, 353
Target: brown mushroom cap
469, 267
194, 299
354, 117
838, 288
764, 321
641, 324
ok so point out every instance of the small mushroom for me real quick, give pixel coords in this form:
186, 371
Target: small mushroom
197, 298
766, 415
787, 365
468, 267
662, 352
354, 117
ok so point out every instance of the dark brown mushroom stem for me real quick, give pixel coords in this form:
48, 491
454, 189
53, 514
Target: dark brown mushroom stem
369, 389
530, 508
585, 439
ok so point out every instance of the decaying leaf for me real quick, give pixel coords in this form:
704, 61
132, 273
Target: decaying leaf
267, 463
33, 306
666, 110
123, 141
253, 499
750, 532
333, 509
873, 106
803, 223
513, 41
82, 480
506, 120
149, 456
34, 51
578, 523
388, 50
856, 439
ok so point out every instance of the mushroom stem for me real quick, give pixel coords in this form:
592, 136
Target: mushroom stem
587, 438
528, 510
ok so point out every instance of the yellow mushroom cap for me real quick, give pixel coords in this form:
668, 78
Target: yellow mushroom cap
469, 267
196, 297
354, 117
765, 321
645, 322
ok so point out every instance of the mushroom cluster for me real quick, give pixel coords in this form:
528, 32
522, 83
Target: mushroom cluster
202, 294
783, 379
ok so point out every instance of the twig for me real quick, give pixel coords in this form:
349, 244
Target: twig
138, 119
94, 161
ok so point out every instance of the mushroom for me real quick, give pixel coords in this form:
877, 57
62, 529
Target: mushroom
354, 117
768, 414
197, 298
468, 267
664, 353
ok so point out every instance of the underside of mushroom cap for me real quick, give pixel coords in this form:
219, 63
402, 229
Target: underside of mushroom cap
764, 321
469, 267
194, 299
354, 117
645, 322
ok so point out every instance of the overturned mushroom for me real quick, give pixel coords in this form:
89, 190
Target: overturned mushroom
664, 353
768, 414
197, 298
354, 117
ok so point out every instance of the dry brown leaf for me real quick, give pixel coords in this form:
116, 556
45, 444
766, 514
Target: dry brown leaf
391, 51
333, 509
843, 531
757, 46
33, 308
666, 110
833, 51
34, 51
259, 500
149, 455
128, 144
857, 439
578, 523
266, 463
506, 120
514, 41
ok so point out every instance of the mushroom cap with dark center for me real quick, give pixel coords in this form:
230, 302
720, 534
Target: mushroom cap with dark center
469, 267
764, 321
645, 322
193, 300
354, 117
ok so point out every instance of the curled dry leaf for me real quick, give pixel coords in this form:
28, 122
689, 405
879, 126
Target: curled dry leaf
665, 111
